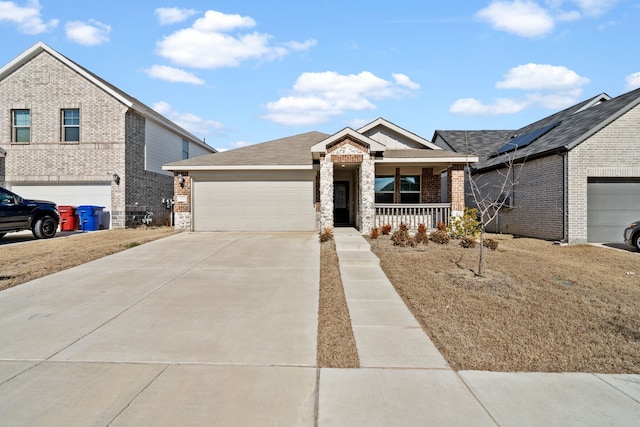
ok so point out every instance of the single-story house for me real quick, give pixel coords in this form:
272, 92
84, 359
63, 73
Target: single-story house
579, 170
71, 137
379, 174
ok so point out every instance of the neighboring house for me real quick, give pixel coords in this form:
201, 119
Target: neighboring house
580, 170
71, 137
376, 175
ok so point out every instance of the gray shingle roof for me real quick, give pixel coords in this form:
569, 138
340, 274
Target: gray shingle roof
291, 151
422, 154
482, 143
577, 123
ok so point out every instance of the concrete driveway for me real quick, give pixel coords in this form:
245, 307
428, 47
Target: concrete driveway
191, 329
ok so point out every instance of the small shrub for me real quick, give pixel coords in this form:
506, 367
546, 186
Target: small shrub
468, 242
132, 245
326, 234
465, 225
385, 229
401, 236
440, 236
374, 233
421, 235
441, 226
490, 243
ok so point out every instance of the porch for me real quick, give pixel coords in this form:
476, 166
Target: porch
429, 214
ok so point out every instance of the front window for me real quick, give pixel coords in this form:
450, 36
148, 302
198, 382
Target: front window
21, 123
70, 125
384, 187
410, 189
185, 149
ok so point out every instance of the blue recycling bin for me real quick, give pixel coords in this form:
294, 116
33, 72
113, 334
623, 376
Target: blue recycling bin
90, 217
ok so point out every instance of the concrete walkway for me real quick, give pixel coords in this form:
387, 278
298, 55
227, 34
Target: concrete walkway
221, 329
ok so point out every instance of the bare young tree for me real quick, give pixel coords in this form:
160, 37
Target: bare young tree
490, 198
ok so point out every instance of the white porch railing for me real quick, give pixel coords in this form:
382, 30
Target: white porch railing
412, 215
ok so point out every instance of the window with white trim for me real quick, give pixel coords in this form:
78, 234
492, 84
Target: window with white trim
185, 149
70, 120
384, 189
21, 126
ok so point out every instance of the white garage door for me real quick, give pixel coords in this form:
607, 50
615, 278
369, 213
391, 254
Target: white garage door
611, 206
70, 195
269, 204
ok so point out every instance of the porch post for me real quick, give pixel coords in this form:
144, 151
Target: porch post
326, 192
367, 194
455, 189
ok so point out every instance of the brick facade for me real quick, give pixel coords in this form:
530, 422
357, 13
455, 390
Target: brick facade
455, 188
537, 198
430, 186
112, 139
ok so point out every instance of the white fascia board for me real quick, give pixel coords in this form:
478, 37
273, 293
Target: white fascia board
385, 123
468, 159
321, 147
236, 168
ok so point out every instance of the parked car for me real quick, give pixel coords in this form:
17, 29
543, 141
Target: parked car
17, 214
632, 234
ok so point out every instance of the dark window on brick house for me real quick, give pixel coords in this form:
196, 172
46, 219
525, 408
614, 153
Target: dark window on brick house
70, 125
21, 126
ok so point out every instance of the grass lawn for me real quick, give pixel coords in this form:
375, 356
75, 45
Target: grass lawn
538, 307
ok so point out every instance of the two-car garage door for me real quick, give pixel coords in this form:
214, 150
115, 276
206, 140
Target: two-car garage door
253, 201
611, 205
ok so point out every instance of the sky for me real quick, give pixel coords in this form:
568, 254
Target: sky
240, 72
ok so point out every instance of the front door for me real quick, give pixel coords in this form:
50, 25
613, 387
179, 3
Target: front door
341, 203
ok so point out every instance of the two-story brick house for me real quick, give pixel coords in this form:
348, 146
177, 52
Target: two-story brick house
71, 137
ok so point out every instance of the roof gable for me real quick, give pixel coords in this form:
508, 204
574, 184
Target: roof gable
322, 146
119, 95
384, 127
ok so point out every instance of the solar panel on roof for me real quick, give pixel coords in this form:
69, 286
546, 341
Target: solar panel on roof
521, 141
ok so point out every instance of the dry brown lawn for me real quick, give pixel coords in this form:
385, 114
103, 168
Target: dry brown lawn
22, 262
539, 307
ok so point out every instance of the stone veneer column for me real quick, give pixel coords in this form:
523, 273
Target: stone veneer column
367, 195
182, 202
455, 189
326, 193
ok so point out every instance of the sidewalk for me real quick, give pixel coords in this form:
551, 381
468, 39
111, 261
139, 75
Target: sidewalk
416, 386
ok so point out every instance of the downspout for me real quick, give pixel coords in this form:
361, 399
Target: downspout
565, 199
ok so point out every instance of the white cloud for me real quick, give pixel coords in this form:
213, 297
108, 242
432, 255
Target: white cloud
541, 76
523, 18
173, 15
171, 74
595, 7
209, 44
473, 107
405, 81
633, 81
556, 101
27, 18
549, 86
526, 18
89, 33
191, 122
317, 97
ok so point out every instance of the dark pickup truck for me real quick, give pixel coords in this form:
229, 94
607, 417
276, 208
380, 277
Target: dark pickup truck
17, 214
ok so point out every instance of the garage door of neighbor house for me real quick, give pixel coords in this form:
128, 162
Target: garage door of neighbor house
70, 195
280, 201
611, 206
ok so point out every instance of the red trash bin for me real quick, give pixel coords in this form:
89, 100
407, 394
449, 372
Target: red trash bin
68, 218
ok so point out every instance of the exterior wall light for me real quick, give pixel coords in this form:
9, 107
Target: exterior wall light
181, 180
116, 178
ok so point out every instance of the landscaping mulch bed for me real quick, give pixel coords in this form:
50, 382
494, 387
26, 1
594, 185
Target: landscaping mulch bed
538, 307
336, 343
